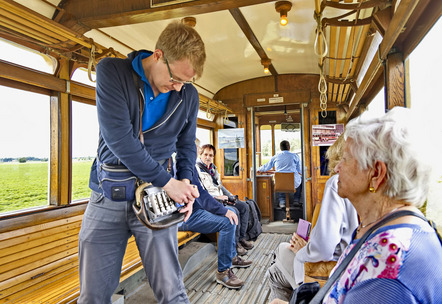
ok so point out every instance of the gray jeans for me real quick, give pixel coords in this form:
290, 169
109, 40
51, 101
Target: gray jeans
281, 277
105, 229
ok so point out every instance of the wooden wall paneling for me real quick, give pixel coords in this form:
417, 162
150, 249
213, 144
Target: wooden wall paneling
54, 157
249, 155
40, 217
266, 99
395, 80
234, 93
65, 137
237, 185
265, 196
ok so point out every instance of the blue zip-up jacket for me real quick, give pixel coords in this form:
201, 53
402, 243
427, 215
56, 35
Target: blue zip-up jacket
118, 113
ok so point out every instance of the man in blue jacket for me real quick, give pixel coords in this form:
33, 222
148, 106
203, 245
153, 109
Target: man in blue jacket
147, 109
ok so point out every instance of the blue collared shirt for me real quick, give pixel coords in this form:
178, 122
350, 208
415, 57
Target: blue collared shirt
285, 161
155, 107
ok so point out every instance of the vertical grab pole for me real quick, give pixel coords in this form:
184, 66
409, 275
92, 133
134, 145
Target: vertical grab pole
304, 207
253, 178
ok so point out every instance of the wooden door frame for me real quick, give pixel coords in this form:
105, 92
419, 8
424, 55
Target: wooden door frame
317, 181
237, 185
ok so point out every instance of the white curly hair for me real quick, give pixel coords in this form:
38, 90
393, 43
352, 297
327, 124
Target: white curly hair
394, 140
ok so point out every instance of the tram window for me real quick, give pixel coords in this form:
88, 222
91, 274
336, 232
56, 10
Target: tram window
204, 135
26, 57
231, 155
84, 147
266, 145
292, 136
425, 79
231, 161
330, 118
84, 139
25, 149
376, 108
205, 115
324, 160
81, 75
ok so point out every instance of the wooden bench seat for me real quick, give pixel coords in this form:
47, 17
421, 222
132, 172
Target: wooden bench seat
319, 271
186, 236
39, 256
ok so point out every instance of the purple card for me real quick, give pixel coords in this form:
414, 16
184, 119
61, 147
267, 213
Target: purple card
303, 229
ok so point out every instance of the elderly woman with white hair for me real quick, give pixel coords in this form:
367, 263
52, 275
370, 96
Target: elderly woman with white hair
384, 171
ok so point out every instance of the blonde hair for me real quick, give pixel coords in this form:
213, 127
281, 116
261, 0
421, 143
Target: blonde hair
179, 41
334, 154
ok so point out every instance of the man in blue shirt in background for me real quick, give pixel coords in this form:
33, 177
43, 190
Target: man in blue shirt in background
286, 161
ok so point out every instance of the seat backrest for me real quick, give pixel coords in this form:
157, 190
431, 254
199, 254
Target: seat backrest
318, 272
284, 182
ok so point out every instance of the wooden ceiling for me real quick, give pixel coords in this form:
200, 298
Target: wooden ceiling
345, 42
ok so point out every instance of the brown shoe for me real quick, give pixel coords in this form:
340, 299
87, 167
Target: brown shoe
229, 279
240, 263
240, 250
246, 244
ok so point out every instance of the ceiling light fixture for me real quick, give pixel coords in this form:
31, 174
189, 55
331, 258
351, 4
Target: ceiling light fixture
266, 62
190, 21
283, 7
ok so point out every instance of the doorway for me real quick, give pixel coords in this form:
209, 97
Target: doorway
273, 125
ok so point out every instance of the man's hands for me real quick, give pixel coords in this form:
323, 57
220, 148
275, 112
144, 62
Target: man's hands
222, 197
232, 217
296, 243
182, 192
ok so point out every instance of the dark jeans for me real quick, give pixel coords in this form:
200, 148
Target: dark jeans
205, 222
243, 219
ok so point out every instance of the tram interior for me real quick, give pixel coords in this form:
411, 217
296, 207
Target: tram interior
335, 60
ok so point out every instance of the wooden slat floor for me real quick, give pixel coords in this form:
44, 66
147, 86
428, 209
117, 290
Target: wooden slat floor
202, 287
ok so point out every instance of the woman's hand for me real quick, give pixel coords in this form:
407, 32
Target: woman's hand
296, 243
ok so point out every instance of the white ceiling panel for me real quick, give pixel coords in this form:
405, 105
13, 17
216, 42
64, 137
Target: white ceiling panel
231, 57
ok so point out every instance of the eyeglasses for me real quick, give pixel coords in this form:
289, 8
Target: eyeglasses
174, 80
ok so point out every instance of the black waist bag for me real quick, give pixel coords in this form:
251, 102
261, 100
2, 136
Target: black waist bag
117, 182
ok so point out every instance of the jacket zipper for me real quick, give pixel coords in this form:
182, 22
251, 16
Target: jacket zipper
164, 121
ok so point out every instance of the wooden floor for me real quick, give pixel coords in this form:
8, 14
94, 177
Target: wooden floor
199, 261
202, 287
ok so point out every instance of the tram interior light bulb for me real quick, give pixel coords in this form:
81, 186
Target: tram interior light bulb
282, 7
266, 62
283, 21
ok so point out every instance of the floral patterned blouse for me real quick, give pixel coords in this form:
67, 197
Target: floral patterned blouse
397, 264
